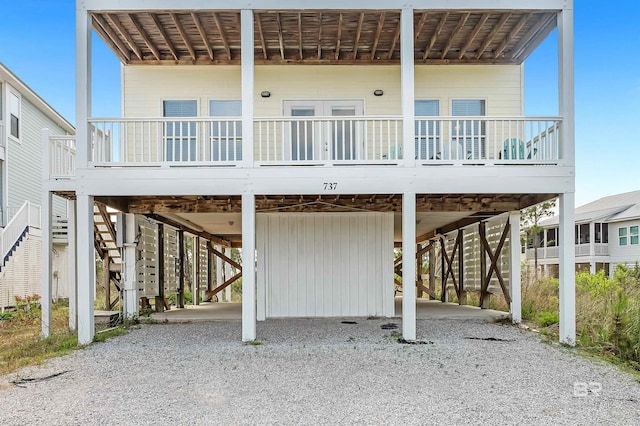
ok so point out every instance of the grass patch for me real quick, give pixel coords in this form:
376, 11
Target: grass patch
108, 334
254, 343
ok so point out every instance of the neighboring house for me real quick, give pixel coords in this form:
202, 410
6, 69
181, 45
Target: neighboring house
606, 235
317, 139
23, 115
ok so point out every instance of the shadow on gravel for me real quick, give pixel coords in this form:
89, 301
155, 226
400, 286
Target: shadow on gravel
490, 339
25, 381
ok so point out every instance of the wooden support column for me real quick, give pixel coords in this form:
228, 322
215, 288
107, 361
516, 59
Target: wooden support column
248, 263
444, 297
47, 265
180, 300
420, 285
485, 296
514, 268
71, 265
86, 269
462, 294
408, 267
106, 280
159, 305
228, 273
196, 273
130, 286
432, 272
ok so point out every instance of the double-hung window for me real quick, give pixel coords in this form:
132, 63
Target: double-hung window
225, 142
14, 115
469, 135
427, 130
180, 135
634, 235
622, 236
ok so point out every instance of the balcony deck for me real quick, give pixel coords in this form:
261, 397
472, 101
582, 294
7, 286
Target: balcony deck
314, 141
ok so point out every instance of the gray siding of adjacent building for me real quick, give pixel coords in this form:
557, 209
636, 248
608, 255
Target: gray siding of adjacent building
24, 160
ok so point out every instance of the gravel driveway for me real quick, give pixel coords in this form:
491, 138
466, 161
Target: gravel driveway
323, 372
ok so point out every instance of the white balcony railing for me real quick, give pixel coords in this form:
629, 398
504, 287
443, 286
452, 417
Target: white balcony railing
478, 140
313, 140
601, 249
334, 140
62, 156
581, 250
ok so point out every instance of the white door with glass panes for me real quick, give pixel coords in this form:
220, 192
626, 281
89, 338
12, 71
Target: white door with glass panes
323, 132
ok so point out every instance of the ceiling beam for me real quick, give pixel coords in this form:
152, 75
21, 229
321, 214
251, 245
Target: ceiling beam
532, 34
164, 36
203, 34
339, 37
434, 36
185, 37
223, 36
394, 41
280, 37
263, 42
473, 35
358, 33
423, 20
461, 22
521, 23
181, 226
125, 35
145, 36
320, 36
492, 35
376, 38
125, 53
300, 36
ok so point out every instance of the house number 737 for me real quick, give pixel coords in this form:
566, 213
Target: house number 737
330, 186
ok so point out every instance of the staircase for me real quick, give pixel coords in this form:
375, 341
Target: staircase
26, 218
104, 223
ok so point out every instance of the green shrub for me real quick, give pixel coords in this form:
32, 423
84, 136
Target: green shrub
546, 318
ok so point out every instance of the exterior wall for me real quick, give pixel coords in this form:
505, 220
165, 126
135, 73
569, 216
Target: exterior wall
628, 254
145, 87
21, 275
24, 173
325, 264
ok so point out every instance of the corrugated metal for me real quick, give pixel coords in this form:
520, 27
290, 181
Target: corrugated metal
325, 264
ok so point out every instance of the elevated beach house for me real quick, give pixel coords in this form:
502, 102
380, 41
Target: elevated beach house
23, 115
317, 136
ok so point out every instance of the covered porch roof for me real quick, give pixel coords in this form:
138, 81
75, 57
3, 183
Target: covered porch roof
323, 36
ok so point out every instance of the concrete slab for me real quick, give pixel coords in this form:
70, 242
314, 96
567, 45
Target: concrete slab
425, 309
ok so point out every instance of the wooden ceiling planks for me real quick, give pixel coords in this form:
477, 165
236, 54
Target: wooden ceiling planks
318, 37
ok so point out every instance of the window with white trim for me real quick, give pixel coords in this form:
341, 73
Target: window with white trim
180, 136
634, 235
427, 130
225, 143
14, 115
469, 135
622, 236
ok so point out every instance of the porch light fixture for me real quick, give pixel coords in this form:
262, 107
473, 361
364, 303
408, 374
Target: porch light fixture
265, 94
378, 92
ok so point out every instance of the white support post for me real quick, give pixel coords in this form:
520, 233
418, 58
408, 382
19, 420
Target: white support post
248, 266
83, 84
566, 232
409, 266
86, 269
566, 92
47, 266
408, 88
247, 63
514, 268
72, 278
130, 285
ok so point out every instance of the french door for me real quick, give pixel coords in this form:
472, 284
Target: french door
323, 132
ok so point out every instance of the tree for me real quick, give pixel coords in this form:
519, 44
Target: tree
531, 218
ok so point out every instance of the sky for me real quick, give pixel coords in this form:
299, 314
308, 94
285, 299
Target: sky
37, 44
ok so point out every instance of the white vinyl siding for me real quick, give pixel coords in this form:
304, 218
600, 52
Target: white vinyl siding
629, 253
325, 264
144, 87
